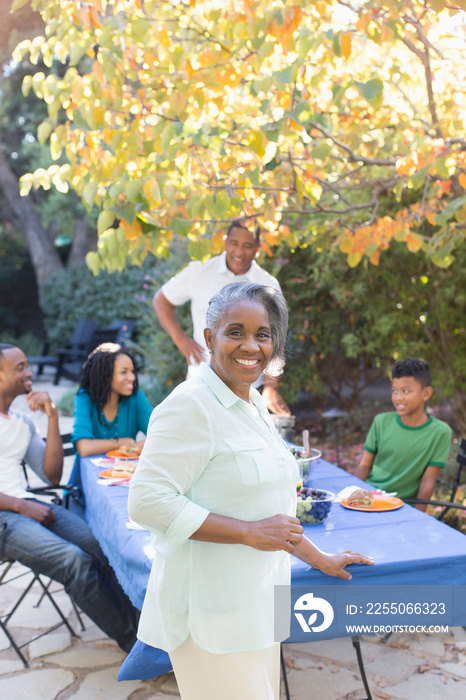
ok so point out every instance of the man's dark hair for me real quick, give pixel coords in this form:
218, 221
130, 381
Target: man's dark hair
97, 374
237, 223
413, 367
5, 346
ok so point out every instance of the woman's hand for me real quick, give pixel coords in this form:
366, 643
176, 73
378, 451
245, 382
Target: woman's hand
126, 442
334, 564
330, 564
279, 532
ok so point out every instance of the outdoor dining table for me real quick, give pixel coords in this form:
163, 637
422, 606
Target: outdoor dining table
409, 548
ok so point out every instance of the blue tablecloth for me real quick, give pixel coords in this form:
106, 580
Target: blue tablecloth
408, 547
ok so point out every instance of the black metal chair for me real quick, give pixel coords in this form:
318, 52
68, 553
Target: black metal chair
6, 568
79, 343
453, 486
362, 671
44, 584
70, 366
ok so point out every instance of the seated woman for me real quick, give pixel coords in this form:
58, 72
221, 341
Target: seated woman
109, 408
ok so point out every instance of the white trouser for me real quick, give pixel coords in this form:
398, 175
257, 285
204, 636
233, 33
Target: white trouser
242, 675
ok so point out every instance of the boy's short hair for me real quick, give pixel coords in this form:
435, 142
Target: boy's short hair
413, 367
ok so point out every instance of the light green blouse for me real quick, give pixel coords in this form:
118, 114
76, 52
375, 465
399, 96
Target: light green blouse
209, 451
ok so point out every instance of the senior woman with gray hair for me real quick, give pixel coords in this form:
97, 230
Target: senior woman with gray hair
217, 488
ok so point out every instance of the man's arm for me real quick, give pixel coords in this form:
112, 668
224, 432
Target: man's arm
365, 465
24, 506
426, 487
274, 401
168, 320
53, 454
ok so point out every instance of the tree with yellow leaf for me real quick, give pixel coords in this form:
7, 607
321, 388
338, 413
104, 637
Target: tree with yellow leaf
330, 123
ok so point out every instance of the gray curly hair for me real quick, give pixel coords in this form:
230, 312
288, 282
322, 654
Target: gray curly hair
275, 305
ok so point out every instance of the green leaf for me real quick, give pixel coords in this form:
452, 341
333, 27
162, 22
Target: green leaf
17, 4
26, 85
222, 204
285, 76
78, 50
44, 130
89, 193
133, 190
199, 250
180, 226
322, 151
57, 141
336, 44
354, 259
450, 210
372, 91
93, 262
105, 220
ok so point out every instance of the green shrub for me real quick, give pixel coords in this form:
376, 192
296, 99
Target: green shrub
75, 293
66, 404
27, 342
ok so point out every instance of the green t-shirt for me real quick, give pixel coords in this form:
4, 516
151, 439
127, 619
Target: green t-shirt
403, 453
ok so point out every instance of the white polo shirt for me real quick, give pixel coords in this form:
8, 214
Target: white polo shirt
198, 282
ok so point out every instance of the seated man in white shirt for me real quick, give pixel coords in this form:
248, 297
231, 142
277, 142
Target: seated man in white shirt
48, 538
198, 282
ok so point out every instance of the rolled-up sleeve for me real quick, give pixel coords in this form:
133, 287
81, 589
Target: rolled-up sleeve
177, 450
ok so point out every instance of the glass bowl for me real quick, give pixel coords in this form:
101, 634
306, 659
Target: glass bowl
304, 463
313, 505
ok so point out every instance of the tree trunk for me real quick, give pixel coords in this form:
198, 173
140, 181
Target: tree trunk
84, 240
44, 257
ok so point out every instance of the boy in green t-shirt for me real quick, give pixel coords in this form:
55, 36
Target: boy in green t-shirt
406, 448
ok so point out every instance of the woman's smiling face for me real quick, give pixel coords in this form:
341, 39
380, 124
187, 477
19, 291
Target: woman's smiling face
241, 346
123, 375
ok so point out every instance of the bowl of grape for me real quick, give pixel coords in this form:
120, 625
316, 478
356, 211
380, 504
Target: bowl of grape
313, 505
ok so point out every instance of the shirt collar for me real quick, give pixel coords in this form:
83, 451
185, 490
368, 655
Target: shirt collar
223, 393
223, 269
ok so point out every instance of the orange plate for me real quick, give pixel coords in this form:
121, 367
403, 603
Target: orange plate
107, 474
380, 503
120, 455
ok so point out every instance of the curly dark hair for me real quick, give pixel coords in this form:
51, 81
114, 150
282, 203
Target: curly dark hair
97, 374
413, 367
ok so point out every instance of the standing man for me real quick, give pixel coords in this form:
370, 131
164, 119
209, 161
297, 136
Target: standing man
198, 282
48, 538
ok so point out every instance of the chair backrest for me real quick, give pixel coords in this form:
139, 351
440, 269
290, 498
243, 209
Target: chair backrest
68, 450
82, 334
461, 459
125, 329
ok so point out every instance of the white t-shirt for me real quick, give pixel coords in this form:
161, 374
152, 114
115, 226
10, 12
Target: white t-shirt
198, 282
19, 440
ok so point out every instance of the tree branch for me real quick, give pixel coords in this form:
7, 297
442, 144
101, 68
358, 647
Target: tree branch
353, 157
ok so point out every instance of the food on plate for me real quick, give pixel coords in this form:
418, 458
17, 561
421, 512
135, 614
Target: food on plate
362, 498
130, 451
123, 470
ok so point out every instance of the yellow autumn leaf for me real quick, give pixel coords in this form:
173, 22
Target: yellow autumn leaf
462, 180
414, 242
152, 192
354, 259
321, 7
345, 43
346, 245
132, 231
